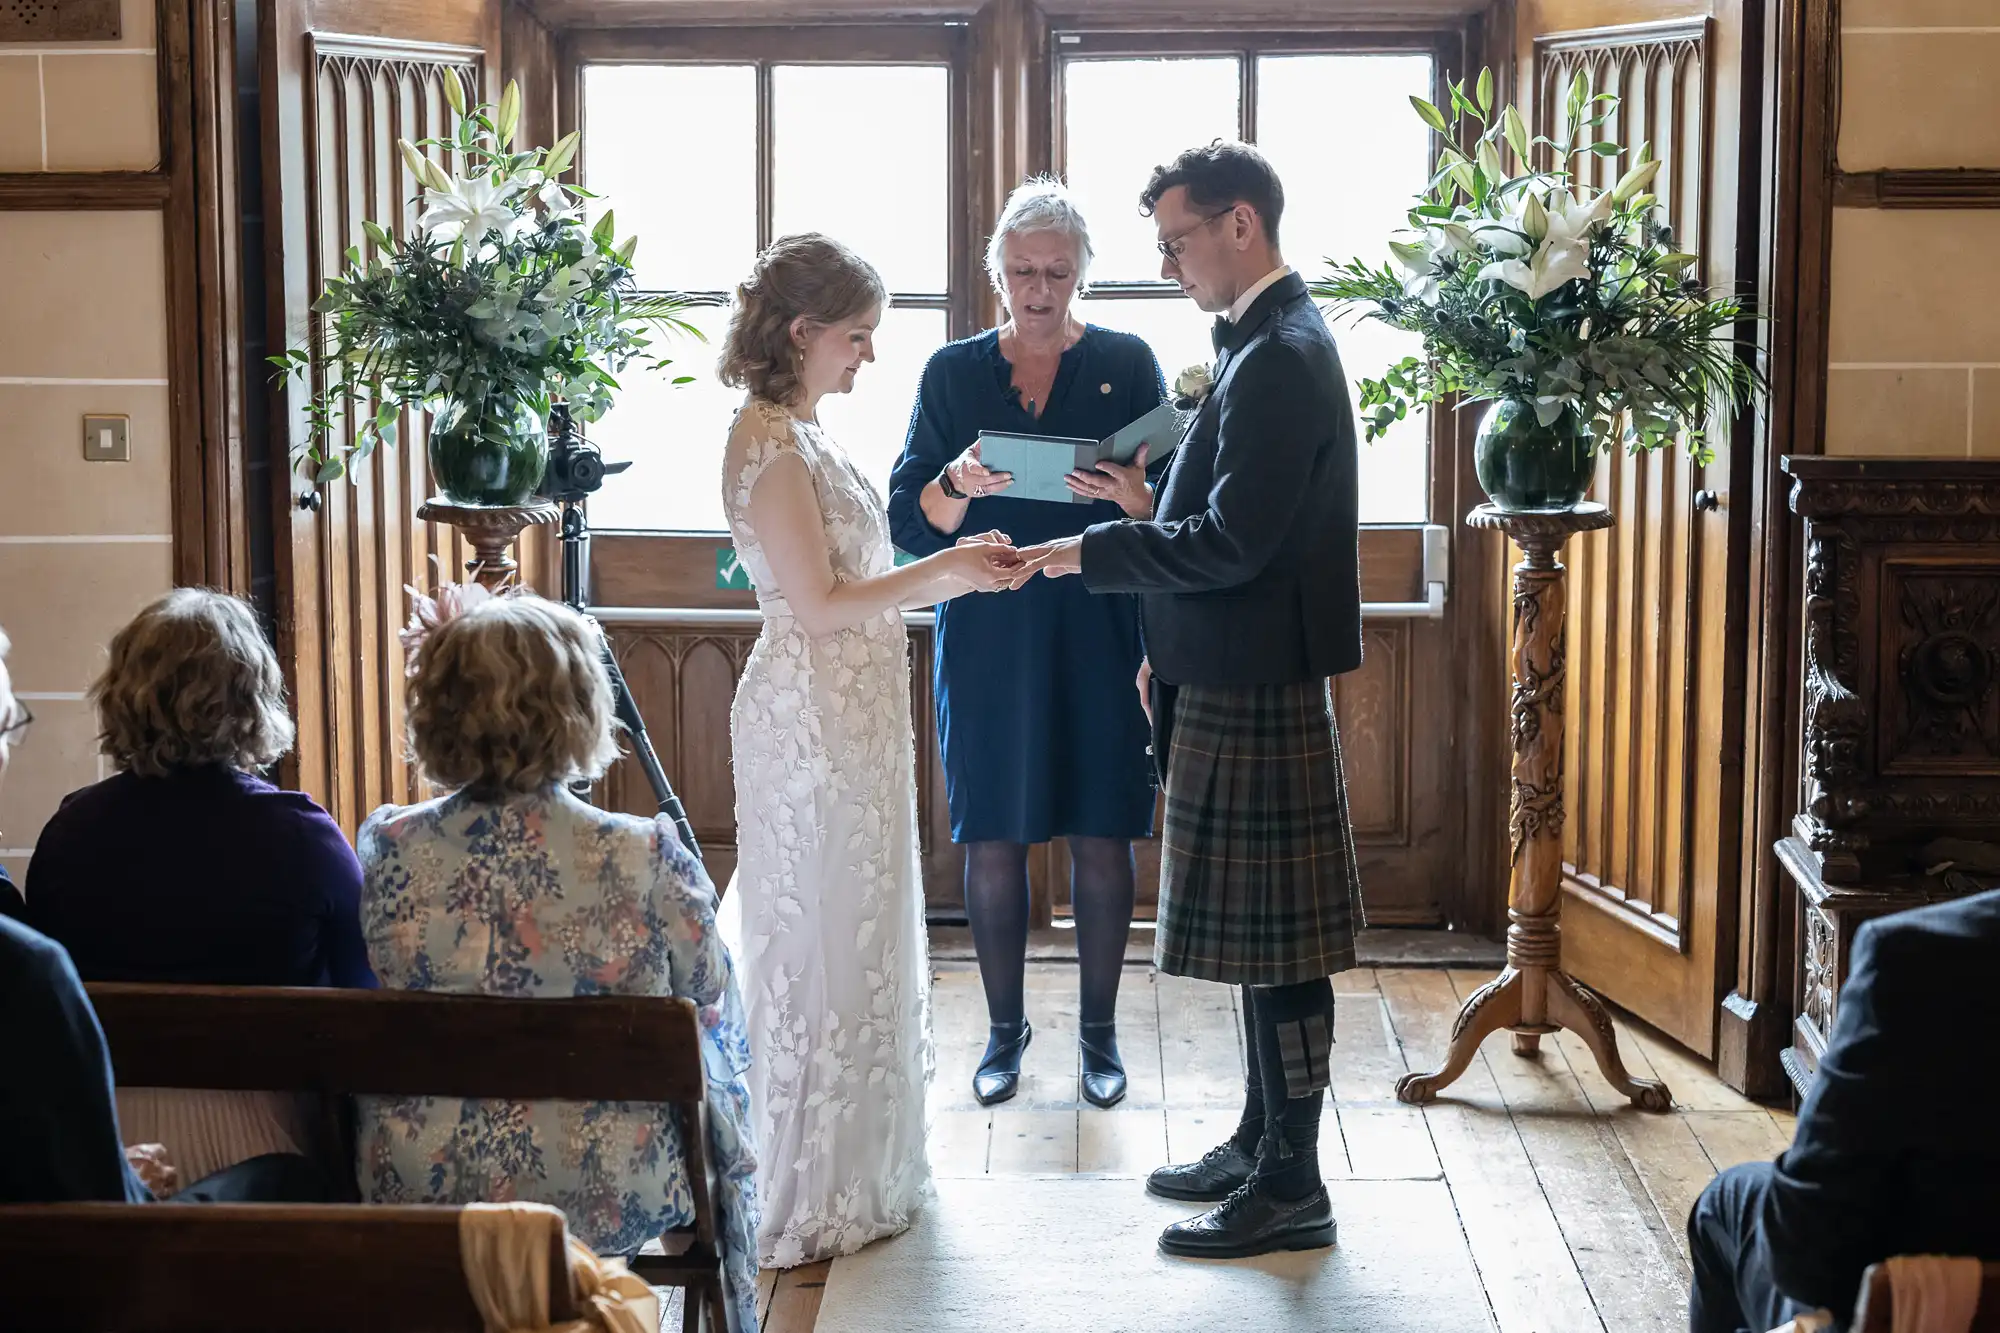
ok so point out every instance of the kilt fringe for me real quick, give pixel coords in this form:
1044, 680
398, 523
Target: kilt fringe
1257, 871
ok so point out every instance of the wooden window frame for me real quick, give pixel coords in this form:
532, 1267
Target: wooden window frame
678, 565
1446, 49
674, 569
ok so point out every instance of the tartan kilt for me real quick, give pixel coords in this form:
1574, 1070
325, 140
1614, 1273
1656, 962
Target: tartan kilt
1257, 864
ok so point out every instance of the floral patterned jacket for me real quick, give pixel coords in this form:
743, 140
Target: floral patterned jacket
544, 895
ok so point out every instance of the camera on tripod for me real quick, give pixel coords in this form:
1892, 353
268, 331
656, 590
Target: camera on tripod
576, 466
576, 469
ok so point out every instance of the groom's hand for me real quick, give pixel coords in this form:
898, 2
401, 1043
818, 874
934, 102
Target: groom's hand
1054, 559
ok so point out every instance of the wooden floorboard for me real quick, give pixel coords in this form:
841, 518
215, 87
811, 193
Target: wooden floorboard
795, 1301
1572, 1203
1532, 1281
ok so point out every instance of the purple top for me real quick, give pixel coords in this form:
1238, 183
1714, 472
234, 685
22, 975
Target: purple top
207, 877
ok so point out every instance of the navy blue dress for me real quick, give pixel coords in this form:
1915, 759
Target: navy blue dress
1048, 740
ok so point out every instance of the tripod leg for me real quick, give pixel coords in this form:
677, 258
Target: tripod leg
642, 747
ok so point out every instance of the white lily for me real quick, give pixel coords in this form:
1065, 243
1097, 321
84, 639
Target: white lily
473, 207
1420, 262
1563, 254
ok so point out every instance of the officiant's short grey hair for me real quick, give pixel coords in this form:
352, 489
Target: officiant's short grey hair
1041, 203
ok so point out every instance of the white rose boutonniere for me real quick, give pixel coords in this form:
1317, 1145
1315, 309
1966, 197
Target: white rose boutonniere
1191, 386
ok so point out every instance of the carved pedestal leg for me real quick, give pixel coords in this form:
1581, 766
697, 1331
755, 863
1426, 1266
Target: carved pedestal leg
1574, 1006
1493, 1006
1534, 997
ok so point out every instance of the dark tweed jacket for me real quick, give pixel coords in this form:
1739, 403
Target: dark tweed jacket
1249, 572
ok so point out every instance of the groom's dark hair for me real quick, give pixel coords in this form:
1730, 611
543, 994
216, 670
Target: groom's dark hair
1221, 175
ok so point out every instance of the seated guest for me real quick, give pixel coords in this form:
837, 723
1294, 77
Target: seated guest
186, 868
56, 1115
1891, 1156
514, 886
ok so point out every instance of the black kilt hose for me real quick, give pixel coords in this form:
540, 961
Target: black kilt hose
1257, 867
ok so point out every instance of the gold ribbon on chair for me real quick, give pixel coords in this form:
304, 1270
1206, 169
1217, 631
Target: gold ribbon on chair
506, 1250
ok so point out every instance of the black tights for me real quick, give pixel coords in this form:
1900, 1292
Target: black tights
996, 901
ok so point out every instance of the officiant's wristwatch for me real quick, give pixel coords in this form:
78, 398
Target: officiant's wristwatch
946, 485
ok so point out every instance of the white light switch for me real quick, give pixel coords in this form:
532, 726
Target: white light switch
107, 439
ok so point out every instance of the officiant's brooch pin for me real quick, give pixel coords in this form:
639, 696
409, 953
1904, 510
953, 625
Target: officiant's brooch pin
1191, 386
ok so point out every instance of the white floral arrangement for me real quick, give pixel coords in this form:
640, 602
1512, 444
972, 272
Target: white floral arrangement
1527, 286
498, 289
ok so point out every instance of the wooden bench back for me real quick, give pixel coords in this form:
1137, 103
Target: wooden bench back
1874, 1312
242, 1268
401, 1043
406, 1043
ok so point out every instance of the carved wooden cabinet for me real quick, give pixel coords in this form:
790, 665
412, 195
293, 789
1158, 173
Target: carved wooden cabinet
1901, 725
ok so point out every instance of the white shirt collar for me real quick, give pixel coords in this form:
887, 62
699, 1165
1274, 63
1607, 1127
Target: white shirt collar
1256, 289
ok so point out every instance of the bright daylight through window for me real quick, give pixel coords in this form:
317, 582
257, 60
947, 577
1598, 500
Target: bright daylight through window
697, 221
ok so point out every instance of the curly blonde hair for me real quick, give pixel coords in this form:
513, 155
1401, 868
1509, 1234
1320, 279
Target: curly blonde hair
192, 682
511, 697
810, 275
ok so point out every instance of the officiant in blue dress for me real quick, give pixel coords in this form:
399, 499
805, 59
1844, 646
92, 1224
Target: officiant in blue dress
1042, 729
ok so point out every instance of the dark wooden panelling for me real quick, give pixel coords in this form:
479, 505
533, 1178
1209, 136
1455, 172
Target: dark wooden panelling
60, 21
1963, 187
68, 191
342, 82
1650, 663
856, 44
684, 678
197, 60
677, 570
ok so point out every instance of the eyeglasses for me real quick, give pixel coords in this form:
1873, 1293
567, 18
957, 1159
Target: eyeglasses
1175, 245
14, 731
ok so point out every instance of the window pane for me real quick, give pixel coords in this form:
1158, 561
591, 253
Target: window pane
871, 423
1345, 192
674, 150
674, 437
1177, 332
840, 131
1123, 118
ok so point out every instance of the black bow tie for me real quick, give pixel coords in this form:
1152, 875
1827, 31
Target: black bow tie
1223, 329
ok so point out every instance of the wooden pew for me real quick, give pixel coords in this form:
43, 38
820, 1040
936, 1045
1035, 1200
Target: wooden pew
240, 1268
406, 1043
1874, 1311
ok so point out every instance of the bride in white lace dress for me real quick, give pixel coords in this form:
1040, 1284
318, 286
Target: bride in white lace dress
830, 929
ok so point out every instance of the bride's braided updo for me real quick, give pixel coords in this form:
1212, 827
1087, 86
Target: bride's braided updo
810, 275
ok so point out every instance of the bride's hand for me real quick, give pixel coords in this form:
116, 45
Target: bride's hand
993, 537
983, 566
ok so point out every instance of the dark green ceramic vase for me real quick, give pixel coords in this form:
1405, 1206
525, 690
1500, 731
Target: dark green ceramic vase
1530, 468
488, 451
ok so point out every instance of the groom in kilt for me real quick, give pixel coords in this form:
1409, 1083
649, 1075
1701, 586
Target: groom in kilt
1248, 576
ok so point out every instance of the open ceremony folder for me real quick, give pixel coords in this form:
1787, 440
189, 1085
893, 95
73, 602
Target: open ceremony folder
1039, 462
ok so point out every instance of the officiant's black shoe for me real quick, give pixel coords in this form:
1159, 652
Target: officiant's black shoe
1219, 1173
1103, 1071
999, 1075
1253, 1221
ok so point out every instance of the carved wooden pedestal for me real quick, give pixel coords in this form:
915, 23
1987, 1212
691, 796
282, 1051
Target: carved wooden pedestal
491, 529
1533, 996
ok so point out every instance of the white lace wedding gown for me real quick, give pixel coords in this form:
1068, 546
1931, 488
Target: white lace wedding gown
830, 943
